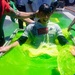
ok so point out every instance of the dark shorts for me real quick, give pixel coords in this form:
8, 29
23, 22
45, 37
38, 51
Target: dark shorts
23, 9
2, 39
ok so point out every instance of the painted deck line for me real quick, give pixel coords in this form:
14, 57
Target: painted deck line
69, 15
68, 8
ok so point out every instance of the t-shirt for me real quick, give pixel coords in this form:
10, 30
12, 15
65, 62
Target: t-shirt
4, 6
38, 33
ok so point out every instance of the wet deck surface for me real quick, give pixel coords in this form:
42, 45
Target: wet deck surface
71, 9
9, 26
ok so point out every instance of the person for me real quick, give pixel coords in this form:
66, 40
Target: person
41, 31
5, 9
33, 5
72, 23
20, 4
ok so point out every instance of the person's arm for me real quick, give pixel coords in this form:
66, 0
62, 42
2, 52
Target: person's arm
6, 48
28, 20
72, 23
62, 40
20, 15
20, 41
73, 50
17, 14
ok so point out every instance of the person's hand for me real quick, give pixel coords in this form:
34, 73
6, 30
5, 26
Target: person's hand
73, 51
4, 49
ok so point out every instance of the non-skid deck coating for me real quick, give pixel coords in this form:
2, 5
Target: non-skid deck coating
20, 62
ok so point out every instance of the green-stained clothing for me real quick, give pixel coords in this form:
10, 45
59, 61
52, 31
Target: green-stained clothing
38, 33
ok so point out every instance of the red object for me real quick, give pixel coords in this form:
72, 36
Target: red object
4, 6
42, 31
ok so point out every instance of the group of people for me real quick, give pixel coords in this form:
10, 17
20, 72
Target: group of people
40, 30
6, 8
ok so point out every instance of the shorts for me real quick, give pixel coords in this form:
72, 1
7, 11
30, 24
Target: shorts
2, 41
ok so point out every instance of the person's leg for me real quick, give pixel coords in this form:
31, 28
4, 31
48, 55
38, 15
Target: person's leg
21, 8
2, 39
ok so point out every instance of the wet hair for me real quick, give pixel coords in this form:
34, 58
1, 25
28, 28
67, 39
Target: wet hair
45, 8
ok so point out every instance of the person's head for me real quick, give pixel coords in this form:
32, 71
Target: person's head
45, 12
